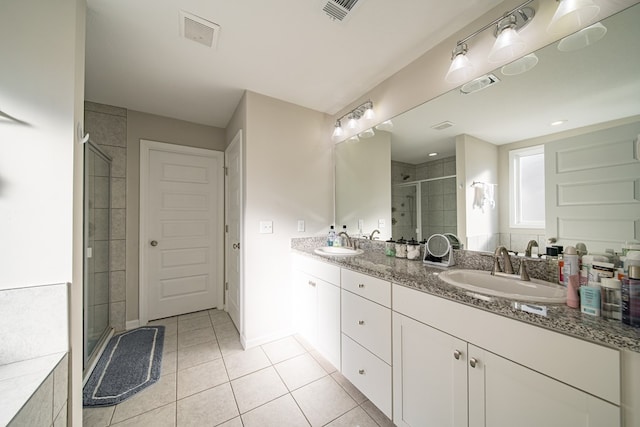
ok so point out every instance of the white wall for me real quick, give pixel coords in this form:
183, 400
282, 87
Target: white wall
363, 169
288, 177
477, 161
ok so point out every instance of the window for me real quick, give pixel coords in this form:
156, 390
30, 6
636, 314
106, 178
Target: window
526, 187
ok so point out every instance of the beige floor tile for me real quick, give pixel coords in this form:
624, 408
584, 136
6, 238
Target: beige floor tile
169, 363
225, 330
170, 324
378, 416
326, 365
201, 377
283, 349
282, 412
355, 417
218, 317
208, 408
195, 337
229, 346
246, 362
170, 343
236, 422
193, 315
350, 388
193, 323
300, 370
257, 389
161, 417
97, 416
159, 394
197, 354
323, 401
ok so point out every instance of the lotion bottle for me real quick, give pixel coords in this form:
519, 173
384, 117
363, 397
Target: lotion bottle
571, 276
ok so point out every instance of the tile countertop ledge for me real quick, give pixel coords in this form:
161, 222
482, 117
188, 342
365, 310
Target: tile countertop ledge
416, 275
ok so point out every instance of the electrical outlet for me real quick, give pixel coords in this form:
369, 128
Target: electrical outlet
381, 223
266, 227
301, 225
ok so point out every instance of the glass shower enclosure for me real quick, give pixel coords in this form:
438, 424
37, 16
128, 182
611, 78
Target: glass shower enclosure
97, 214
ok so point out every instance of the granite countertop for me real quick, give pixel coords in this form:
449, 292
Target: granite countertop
424, 278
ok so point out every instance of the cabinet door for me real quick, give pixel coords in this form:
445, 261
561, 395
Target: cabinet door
504, 394
305, 306
429, 376
328, 322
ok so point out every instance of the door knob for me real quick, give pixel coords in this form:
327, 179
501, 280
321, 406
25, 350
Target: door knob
154, 243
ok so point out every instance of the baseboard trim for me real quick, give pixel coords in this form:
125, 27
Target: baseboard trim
132, 324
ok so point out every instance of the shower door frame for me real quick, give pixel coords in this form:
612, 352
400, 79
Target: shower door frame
89, 359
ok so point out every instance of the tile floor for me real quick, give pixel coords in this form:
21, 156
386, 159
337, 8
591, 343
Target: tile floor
209, 380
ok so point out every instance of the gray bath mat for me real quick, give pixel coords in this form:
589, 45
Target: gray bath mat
130, 363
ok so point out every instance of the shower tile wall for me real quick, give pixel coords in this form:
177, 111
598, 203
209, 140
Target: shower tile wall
438, 198
107, 126
402, 222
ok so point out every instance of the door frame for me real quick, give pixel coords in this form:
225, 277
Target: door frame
145, 147
237, 140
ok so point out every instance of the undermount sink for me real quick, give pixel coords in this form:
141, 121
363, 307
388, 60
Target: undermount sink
338, 251
506, 286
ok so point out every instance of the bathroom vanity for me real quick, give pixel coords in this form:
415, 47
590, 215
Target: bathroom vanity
427, 353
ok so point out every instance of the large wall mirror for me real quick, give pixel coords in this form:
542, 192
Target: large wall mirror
391, 183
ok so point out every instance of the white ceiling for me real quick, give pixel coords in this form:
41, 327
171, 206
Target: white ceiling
287, 49
593, 85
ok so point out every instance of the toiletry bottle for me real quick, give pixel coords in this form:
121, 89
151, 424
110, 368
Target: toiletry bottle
344, 242
331, 237
571, 276
590, 299
610, 299
631, 297
337, 242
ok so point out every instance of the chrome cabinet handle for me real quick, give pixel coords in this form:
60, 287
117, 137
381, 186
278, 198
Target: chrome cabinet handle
154, 243
473, 362
312, 283
457, 354
360, 322
361, 285
361, 372
236, 246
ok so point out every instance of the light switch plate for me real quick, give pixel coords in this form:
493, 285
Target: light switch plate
266, 227
301, 225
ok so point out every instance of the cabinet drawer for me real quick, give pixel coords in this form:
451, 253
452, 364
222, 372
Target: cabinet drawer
368, 373
367, 323
372, 288
321, 270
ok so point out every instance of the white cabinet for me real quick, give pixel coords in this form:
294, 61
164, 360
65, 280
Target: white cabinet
316, 290
366, 336
447, 379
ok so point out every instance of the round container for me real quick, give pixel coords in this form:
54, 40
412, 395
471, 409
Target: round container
413, 250
401, 248
611, 293
390, 247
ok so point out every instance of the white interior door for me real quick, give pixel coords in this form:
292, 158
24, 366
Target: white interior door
181, 229
233, 250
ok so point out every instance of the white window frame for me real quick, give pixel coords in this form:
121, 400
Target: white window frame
515, 188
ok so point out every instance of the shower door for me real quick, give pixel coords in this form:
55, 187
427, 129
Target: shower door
97, 214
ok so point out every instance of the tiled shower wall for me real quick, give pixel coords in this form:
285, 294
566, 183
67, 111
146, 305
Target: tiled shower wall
107, 127
439, 214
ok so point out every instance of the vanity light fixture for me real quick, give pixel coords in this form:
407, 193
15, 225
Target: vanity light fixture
583, 38
521, 65
367, 133
572, 15
387, 125
362, 111
508, 43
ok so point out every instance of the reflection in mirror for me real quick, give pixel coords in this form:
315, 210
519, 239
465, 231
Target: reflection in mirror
588, 90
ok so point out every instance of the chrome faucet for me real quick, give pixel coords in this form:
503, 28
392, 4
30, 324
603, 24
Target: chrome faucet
530, 245
501, 251
350, 242
372, 233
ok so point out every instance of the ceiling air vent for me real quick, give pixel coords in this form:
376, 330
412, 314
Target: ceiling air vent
442, 126
198, 29
338, 9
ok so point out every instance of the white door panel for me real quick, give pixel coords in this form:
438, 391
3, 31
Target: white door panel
234, 212
181, 229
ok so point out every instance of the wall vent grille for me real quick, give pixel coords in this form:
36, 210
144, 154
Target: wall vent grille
339, 9
199, 30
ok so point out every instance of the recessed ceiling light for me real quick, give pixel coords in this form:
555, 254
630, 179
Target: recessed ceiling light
433, 154
558, 122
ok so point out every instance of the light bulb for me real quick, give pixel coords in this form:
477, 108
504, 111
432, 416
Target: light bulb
337, 130
387, 125
367, 133
352, 123
461, 68
369, 114
572, 15
508, 45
